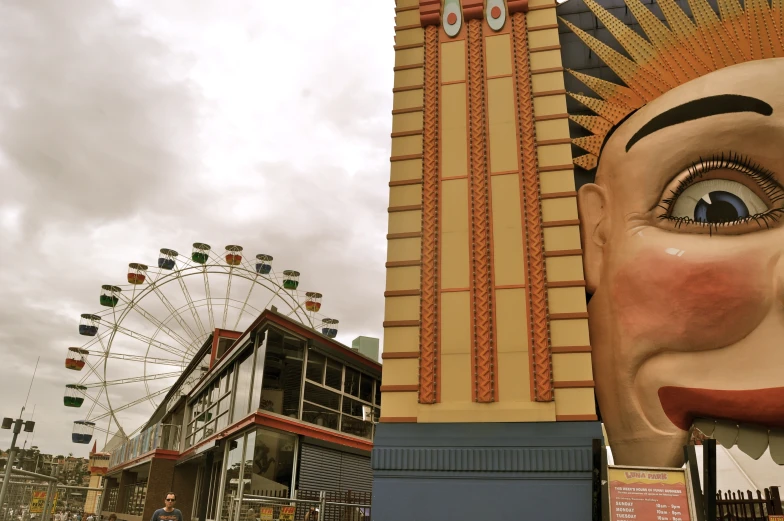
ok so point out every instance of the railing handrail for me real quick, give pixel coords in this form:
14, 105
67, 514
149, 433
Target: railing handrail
257, 499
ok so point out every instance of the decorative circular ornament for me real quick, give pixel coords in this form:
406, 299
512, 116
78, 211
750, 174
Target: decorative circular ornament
452, 18
495, 14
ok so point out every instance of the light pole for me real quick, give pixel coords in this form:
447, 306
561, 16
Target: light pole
17, 426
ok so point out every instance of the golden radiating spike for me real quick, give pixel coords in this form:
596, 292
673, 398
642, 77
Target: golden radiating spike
610, 112
720, 43
588, 161
766, 42
777, 14
609, 91
641, 51
733, 18
592, 144
686, 32
631, 73
681, 63
594, 124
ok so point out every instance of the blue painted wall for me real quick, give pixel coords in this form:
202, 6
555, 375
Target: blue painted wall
504, 471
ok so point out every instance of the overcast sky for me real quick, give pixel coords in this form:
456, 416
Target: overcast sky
130, 126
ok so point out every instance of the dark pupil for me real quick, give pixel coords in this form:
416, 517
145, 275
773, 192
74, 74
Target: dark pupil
723, 208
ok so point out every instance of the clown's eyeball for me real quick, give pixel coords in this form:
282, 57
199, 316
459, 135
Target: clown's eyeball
717, 201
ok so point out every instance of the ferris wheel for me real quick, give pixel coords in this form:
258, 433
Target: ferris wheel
148, 330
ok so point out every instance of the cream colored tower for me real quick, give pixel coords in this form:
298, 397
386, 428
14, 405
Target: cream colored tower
485, 316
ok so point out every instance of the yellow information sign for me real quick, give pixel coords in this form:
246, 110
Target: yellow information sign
266, 513
773, 517
643, 493
38, 500
287, 513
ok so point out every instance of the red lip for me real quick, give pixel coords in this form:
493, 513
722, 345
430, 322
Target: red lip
758, 406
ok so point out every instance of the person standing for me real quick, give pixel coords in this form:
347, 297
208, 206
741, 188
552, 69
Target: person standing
168, 512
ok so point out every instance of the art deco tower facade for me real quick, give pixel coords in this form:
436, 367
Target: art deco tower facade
486, 335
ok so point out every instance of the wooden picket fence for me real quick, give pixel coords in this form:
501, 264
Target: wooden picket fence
735, 506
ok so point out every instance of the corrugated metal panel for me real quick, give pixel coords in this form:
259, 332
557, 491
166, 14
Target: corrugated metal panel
334, 471
356, 474
319, 469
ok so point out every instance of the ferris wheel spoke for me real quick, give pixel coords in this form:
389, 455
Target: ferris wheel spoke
134, 379
108, 432
96, 399
139, 358
156, 343
209, 300
92, 407
191, 305
169, 331
245, 303
275, 295
92, 371
184, 325
226, 302
130, 405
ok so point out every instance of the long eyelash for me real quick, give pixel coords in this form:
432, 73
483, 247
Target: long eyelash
732, 161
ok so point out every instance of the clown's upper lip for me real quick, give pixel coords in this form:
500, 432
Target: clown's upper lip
757, 406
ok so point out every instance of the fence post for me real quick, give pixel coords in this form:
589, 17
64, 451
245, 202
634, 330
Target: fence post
48, 503
709, 478
774, 495
322, 505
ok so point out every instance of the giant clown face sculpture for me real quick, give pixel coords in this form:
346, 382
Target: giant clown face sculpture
683, 237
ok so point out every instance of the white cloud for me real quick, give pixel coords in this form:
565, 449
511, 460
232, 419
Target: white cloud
133, 126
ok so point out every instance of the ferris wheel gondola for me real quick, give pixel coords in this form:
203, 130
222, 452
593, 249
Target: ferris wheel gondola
150, 329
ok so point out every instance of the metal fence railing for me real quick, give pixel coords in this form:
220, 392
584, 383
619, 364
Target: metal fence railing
35, 497
737, 506
305, 506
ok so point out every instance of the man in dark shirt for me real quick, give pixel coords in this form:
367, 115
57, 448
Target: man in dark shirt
168, 513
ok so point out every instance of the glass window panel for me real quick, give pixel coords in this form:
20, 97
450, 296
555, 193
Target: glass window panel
215, 393
245, 482
272, 464
351, 385
357, 427
378, 395
282, 381
258, 371
223, 421
209, 429
242, 391
334, 376
321, 396
232, 469
212, 498
316, 363
352, 407
224, 403
319, 416
366, 388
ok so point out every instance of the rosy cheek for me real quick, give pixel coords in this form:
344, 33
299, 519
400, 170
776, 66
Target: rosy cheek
683, 303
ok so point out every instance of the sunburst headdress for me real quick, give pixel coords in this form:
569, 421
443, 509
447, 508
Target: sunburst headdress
670, 56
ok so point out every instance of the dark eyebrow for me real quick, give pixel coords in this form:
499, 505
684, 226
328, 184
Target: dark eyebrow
701, 108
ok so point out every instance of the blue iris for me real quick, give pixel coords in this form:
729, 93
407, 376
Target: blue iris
724, 207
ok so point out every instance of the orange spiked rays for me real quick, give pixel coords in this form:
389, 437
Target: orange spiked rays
670, 56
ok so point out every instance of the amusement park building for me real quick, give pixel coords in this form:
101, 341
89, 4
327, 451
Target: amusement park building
280, 407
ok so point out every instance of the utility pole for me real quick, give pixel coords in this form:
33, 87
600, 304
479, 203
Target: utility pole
17, 424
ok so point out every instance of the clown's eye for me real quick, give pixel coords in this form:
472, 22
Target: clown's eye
728, 195
717, 201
